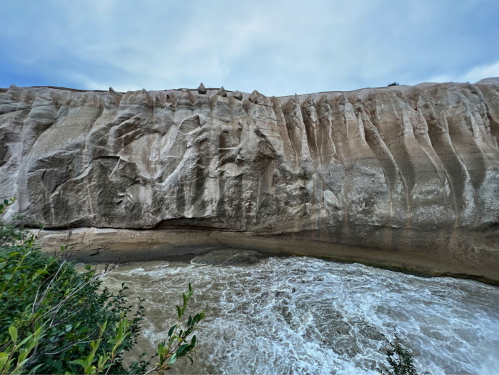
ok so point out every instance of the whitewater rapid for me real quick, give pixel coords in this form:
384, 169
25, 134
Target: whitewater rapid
300, 315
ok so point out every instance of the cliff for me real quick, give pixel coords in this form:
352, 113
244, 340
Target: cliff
407, 172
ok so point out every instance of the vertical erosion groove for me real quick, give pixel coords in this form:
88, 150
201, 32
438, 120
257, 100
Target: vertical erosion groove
372, 167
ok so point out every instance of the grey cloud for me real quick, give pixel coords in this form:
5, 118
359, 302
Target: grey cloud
277, 47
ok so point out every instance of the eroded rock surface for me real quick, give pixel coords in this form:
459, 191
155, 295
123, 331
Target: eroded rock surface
405, 169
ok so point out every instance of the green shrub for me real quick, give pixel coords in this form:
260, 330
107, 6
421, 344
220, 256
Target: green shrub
399, 359
54, 319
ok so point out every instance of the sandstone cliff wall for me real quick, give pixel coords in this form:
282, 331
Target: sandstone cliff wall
407, 170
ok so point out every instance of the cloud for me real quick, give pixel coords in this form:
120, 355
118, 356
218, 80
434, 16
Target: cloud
480, 72
278, 47
473, 75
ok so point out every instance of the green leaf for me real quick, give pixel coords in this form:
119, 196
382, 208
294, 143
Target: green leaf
196, 319
102, 360
179, 311
80, 362
103, 327
23, 353
87, 267
170, 332
182, 350
33, 370
193, 342
13, 333
173, 358
94, 345
162, 351
25, 340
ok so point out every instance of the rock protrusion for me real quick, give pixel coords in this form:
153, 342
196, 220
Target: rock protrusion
201, 89
222, 92
238, 95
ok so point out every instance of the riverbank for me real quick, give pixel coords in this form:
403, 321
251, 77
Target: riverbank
104, 245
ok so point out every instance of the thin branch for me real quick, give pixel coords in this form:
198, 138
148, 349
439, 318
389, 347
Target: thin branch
77, 289
70, 345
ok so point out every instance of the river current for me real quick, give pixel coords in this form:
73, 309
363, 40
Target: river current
300, 315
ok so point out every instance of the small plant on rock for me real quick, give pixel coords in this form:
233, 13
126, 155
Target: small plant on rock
399, 359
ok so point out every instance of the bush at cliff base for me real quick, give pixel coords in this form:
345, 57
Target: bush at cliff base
54, 319
38, 291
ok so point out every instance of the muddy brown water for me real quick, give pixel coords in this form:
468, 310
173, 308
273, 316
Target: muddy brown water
301, 315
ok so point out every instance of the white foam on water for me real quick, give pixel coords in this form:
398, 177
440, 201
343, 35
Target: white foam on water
305, 315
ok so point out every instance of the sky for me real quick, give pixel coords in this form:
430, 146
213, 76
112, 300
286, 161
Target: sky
276, 47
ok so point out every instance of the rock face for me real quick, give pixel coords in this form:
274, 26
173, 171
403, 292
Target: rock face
411, 170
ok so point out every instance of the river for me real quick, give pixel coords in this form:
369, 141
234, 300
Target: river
300, 315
